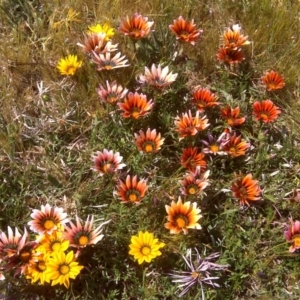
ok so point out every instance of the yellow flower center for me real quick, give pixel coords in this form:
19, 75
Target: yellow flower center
83, 240
25, 256
70, 70
180, 222
132, 197
108, 67
230, 121
296, 240
41, 266
49, 224
192, 190
148, 148
135, 114
55, 246
264, 116
195, 274
214, 148
64, 269
112, 99
232, 151
146, 250
184, 34
106, 168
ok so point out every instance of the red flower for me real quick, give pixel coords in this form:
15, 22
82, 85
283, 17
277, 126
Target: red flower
230, 56
266, 111
191, 159
231, 115
204, 98
273, 81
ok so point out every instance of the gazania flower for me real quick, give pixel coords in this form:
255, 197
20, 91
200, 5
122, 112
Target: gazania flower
273, 81
11, 244
144, 247
111, 93
199, 272
215, 146
149, 142
131, 190
230, 56
80, 236
185, 31
135, 106
107, 162
231, 116
157, 77
36, 270
102, 29
292, 235
191, 159
136, 27
194, 182
96, 42
246, 189
69, 65
106, 62
266, 111
182, 216
47, 219
52, 242
236, 147
204, 98
188, 125
61, 267
233, 39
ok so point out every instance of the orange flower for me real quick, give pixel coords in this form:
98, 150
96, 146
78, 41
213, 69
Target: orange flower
230, 56
182, 216
135, 106
231, 115
191, 159
185, 31
131, 190
266, 111
246, 189
204, 98
235, 147
136, 27
149, 142
232, 38
194, 182
273, 81
98, 43
189, 125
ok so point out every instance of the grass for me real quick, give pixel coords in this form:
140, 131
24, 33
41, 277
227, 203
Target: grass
48, 138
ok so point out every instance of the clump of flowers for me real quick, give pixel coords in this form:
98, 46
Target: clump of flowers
144, 247
273, 81
136, 27
265, 111
246, 189
157, 77
292, 235
185, 31
199, 272
69, 65
107, 162
182, 216
149, 141
131, 190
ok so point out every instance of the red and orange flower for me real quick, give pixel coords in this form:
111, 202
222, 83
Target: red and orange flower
230, 56
136, 27
131, 190
246, 189
191, 159
107, 162
233, 39
182, 216
204, 98
292, 235
273, 81
149, 142
188, 125
135, 106
185, 31
236, 147
231, 116
266, 111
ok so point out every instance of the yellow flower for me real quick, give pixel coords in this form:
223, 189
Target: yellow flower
106, 29
36, 271
145, 247
53, 242
61, 267
69, 65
